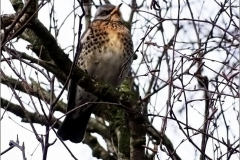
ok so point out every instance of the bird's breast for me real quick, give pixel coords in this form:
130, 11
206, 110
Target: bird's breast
105, 51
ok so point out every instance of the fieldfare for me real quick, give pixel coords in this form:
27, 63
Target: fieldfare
107, 55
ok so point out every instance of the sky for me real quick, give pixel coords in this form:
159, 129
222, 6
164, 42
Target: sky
11, 126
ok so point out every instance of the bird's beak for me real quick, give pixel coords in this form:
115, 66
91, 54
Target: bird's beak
118, 7
117, 10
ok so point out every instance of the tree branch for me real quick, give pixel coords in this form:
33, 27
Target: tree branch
34, 89
97, 150
20, 112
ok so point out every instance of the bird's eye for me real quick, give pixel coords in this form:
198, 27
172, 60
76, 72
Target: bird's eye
104, 13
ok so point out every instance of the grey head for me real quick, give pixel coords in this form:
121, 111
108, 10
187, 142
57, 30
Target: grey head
109, 12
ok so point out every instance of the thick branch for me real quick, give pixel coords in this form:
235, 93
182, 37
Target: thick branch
49, 66
6, 20
35, 90
21, 19
36, 45
20, 112
137, 136
95, 126
97, 150
40, 119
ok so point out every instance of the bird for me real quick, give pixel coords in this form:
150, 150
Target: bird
106, 56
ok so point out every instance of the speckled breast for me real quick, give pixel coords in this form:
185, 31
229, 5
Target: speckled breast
107, 51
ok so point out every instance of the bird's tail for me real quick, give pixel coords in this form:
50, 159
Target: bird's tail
74, 129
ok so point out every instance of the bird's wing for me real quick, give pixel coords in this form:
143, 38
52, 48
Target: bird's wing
72, 87
75, 123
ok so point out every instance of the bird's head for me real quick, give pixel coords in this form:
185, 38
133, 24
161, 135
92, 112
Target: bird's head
108, 12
